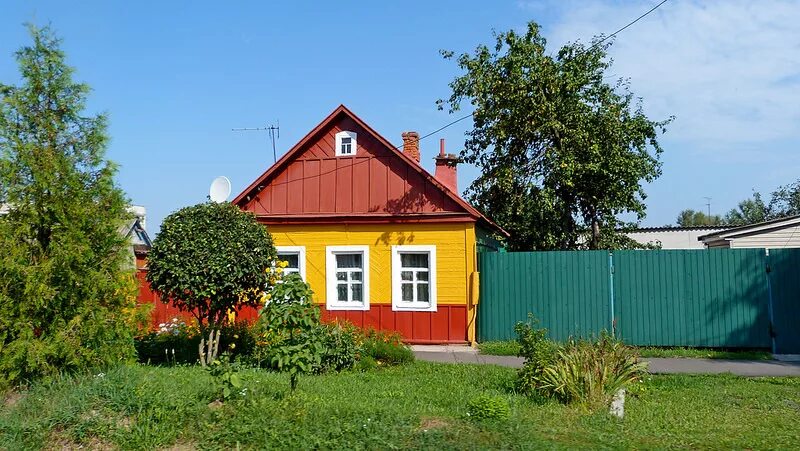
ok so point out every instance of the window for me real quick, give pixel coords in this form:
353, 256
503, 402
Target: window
346, 144
347, 277
296, 257
414, 278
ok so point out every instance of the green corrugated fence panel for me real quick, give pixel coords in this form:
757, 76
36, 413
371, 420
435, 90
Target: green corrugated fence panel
711, 297
568, 292
785, 280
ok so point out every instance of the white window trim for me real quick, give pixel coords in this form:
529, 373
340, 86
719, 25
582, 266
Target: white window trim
397, 303
301, 257
353, 141
331, 302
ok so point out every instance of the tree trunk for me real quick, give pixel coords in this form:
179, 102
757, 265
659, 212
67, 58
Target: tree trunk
595, 242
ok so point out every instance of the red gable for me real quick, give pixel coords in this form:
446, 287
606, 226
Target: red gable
378, 184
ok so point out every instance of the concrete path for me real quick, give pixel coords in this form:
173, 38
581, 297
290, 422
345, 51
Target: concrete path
465, 354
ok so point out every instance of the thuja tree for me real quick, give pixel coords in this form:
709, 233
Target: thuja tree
209, 259
67, 291
561, 152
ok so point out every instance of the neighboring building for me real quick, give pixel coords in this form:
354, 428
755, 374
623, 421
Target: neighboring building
778, 233
382, 242
674, 237
140, 240
135, 229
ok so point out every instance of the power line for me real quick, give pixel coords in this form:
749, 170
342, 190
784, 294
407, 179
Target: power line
585, 51
626, 26
439, 129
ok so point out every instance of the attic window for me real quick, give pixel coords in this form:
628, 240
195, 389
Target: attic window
346, 144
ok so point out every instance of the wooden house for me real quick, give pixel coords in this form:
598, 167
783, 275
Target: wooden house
382, 242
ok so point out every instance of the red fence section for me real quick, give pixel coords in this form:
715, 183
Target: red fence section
164, 312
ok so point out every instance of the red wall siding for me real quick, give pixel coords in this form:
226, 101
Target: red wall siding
373, 181
447, 325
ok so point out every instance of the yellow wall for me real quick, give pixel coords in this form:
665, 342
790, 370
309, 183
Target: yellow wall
455, 249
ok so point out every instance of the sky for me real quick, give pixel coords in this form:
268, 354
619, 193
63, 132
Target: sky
176, 77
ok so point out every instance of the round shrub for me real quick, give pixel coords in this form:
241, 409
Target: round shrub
211, 258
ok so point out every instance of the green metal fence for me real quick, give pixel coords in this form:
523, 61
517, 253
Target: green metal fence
567, 291
709, 298
784, 289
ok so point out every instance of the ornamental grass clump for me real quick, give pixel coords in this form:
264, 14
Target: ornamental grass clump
591, 372
584, 372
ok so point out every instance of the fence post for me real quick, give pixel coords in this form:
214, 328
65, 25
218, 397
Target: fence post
611, 290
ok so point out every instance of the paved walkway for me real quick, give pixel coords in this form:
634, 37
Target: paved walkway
465, 354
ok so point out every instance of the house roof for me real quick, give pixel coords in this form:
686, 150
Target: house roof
752, 229
677, 229
281, 165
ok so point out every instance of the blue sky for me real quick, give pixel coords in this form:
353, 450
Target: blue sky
175, 77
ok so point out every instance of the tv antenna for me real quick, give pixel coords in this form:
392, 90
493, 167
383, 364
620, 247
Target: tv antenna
274, 132
708, 204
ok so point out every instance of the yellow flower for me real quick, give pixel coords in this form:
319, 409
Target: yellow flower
233, 345
284, 264
279, 270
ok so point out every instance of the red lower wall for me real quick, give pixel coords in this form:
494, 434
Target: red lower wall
447, 325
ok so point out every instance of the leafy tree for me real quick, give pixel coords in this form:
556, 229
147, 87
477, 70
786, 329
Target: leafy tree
749, 211
693, 218
785, 201
67, 287
211, 258
561, 152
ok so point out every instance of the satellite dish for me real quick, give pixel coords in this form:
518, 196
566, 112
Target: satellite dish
220, 189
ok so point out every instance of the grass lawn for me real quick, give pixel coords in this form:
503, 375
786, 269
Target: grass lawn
420, 405
510, 347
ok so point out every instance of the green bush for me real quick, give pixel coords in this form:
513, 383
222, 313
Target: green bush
591, 372
341, 344
539, 352
209, 259
386, 348
290, 325
226, 376
485, 407
177, 342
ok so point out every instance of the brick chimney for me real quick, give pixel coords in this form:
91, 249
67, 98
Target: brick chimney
411, 145
446, 171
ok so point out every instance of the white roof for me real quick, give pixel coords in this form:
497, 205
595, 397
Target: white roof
751, 229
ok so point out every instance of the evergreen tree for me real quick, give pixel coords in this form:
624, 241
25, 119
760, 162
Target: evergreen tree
67, 291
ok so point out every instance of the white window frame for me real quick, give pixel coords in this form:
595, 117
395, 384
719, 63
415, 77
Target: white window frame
397, 296
331, 298
300, 251
353, 143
